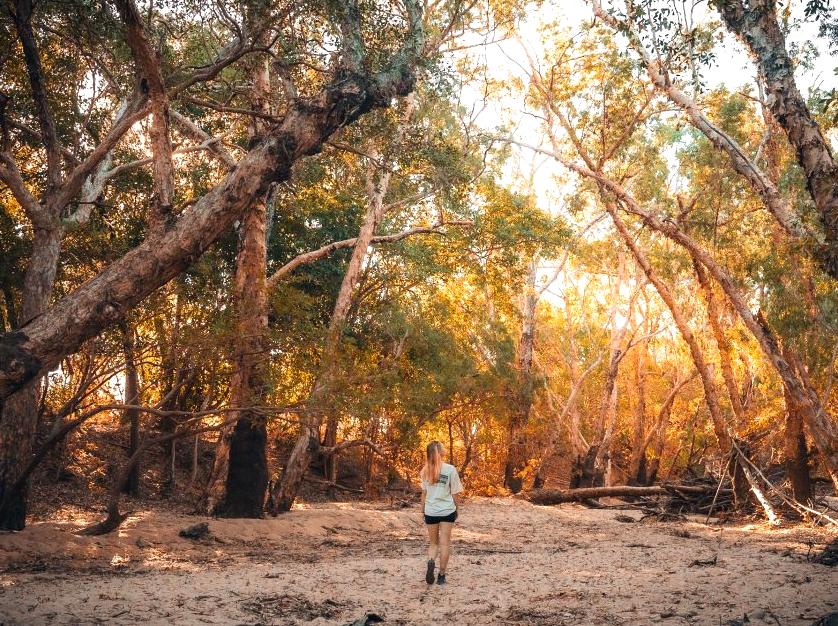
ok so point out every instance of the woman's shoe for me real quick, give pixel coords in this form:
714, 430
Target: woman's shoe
429, 575
440, 580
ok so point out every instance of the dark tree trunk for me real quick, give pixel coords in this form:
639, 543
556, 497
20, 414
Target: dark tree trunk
247, 468
796, 454
247, 477
585, 472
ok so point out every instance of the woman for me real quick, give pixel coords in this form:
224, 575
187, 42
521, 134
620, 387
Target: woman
440, 504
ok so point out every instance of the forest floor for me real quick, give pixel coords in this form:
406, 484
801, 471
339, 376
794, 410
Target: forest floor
513, 563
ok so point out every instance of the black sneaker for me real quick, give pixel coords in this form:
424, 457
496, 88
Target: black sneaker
429, 575
440, 580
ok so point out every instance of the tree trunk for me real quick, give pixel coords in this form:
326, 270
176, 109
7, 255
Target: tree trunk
637, 463
247, 465
214, 489
722, 343
131, 416
19, 422
710, 393
795, 452
247, 472
758, 28
516, 457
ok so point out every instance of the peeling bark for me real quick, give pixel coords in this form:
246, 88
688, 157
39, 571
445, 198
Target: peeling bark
40, 344
756, 25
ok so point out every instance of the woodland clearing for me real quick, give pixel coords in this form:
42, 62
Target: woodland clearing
513, 563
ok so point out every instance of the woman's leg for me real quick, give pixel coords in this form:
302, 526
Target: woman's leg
433, 535
444, 544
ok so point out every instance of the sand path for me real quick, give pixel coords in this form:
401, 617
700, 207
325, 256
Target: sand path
514, 564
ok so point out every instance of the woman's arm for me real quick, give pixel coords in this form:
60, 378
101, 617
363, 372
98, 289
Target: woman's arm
422, 504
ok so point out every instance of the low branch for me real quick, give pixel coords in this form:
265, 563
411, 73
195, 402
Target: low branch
316, 255
353, 443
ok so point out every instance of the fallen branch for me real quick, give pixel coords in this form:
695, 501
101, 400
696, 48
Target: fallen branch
559, 496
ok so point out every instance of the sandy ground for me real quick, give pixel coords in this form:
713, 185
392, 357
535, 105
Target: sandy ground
513, 563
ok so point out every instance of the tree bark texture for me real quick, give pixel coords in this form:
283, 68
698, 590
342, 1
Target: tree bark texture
757, 26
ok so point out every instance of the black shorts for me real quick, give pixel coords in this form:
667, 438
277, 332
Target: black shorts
436, 519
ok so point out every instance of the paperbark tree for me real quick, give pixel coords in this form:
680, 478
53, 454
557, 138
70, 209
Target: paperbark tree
516, 456
47, 334
757, 26
762, 184
246, 479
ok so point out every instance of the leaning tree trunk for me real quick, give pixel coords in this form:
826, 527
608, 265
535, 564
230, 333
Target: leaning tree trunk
311, 419
758, 28
722, 343
516, 457
40, 345
711, 396
319, 401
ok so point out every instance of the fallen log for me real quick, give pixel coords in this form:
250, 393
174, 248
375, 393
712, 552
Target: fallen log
559, 496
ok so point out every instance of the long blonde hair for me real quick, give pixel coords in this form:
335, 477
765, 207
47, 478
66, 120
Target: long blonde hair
433, 463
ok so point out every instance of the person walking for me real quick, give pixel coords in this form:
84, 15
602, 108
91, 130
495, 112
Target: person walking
441, 504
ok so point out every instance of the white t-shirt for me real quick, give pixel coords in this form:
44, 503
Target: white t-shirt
438, 497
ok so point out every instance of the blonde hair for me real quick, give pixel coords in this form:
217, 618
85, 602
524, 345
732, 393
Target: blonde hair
433, 463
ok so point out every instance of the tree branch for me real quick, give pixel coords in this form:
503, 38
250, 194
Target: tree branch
316, 255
